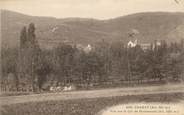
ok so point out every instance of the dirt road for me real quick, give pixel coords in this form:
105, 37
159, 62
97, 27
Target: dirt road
93, 94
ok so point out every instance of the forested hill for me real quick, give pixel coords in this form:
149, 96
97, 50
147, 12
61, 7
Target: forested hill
50, 31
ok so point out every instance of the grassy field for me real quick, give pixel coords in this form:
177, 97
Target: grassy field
90, 106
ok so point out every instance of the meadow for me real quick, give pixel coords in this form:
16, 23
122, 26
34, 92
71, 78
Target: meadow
90, 106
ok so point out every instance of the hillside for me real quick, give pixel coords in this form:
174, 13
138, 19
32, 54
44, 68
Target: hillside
50, 31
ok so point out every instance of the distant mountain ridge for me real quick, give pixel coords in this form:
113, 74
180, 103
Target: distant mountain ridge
146, 27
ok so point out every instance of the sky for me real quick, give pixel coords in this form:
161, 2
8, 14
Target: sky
98, 9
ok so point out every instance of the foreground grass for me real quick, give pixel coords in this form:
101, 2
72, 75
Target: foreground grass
83, 106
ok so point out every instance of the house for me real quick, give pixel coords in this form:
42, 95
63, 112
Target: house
132, 44
145, 46
88, 48
79, 46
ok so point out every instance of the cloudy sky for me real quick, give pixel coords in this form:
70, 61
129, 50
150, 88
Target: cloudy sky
100, 9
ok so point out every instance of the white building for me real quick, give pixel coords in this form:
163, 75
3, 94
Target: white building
132, 44
145, 46
88, 48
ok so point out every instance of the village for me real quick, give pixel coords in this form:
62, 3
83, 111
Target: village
92, 57
102, 65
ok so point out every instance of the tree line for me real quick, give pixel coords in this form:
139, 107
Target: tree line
30, 68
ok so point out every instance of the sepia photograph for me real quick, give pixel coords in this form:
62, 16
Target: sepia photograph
92, 57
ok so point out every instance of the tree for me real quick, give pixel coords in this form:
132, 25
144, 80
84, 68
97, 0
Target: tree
22, 66
34, 55
43, 69
29, 55
9, 65
23, 37
65, 62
